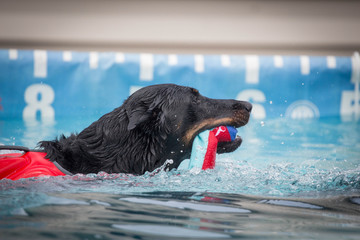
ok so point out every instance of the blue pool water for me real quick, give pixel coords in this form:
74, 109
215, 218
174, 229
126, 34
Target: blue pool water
296, 179
278, 157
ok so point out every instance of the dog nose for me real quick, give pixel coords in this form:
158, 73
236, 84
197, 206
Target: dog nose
248, 106
239, 105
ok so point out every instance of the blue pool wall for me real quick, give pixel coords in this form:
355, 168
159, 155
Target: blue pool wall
45, 85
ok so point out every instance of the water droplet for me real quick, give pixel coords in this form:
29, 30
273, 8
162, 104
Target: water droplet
270, 102
169, 161
181, 151
262, 123
172, 152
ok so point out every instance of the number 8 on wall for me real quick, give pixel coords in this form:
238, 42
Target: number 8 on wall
39, 98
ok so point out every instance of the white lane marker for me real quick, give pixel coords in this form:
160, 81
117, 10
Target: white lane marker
305, 65
40, 64
199, 63
146, 67
252, 69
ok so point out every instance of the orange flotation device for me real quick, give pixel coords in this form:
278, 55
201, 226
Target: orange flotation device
26, 164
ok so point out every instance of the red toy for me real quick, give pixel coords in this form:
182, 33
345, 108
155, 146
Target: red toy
203, 153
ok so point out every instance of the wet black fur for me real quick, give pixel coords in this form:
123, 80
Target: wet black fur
145, 131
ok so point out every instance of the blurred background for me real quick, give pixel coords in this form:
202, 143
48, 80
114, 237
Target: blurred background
319, 27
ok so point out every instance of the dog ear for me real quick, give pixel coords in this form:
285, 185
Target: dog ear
136, 117
141, 113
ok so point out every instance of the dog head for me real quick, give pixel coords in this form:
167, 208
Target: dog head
171, 116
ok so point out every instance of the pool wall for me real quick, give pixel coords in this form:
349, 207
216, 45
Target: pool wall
39, 85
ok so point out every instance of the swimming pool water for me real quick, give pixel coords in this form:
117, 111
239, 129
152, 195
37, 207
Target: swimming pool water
289, 179
278, 157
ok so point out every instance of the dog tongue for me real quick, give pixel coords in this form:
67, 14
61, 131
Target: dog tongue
203, 153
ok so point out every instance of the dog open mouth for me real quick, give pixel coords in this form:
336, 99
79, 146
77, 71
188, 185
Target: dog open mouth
237, 121
225, 147
240, 121
230, 146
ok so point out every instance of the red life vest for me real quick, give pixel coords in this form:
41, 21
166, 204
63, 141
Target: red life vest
25, 165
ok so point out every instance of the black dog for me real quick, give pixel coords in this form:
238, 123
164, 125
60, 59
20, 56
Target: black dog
154, 124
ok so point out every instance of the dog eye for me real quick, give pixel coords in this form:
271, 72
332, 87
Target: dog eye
195, 91
196, 96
